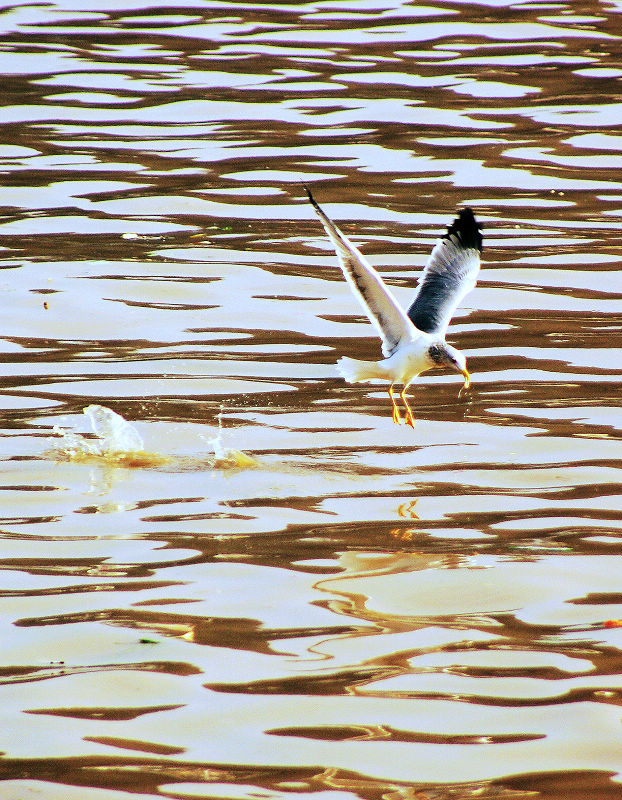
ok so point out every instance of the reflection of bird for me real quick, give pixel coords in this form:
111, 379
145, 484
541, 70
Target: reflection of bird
412, 341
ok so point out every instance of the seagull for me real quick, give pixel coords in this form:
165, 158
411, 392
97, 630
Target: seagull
413, 341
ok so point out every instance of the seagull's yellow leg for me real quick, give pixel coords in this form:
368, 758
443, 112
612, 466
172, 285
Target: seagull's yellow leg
409, 419
396, 412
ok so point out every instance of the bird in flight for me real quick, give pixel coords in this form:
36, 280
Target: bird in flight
413, 341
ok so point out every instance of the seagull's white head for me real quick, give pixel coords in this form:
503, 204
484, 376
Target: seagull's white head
442, 354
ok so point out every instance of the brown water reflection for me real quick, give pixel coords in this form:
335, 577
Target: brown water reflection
360, 610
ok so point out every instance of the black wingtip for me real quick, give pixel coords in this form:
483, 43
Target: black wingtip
309, 195
467, 229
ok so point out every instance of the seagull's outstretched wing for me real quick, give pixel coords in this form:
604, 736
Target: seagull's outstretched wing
450, 273
380, 306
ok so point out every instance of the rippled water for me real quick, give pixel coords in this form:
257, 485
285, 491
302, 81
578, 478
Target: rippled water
357, 610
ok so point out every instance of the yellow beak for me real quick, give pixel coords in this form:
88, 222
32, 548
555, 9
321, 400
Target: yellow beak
467, 378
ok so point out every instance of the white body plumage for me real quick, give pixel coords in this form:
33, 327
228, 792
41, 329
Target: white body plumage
402, 366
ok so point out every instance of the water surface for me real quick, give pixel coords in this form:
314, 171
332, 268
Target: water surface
359, 610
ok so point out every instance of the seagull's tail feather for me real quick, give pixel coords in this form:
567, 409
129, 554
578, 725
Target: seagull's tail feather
355, 371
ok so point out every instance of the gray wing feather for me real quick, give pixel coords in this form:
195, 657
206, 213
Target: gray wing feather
381, 307
451, 272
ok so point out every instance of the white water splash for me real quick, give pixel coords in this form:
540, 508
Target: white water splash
229, 456
120, 444
115, 432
